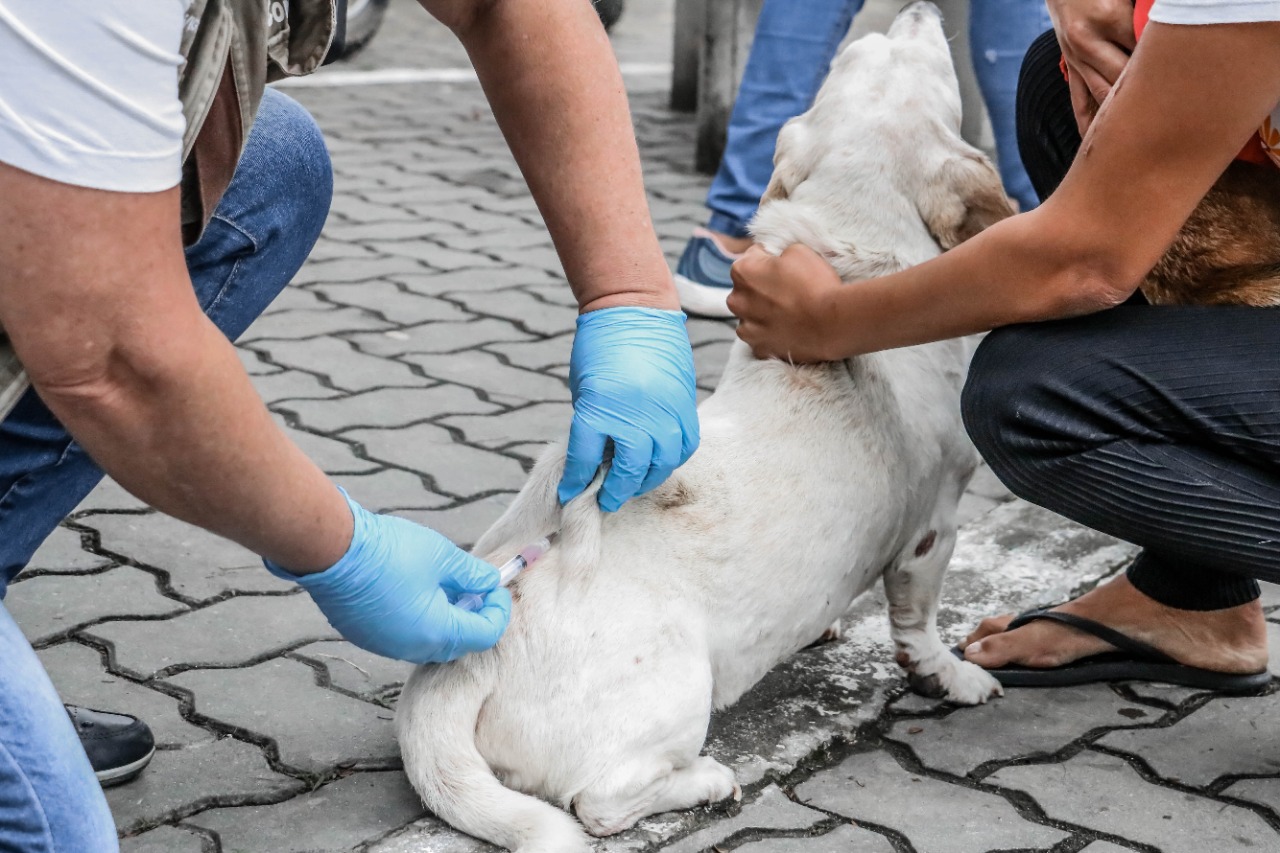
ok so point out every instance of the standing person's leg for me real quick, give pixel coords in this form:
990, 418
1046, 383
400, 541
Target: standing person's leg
795, 41
1000, 32
261, 233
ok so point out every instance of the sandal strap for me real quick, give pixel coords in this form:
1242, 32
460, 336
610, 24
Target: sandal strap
1137, 648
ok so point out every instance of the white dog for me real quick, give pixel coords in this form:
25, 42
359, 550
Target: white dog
811, 483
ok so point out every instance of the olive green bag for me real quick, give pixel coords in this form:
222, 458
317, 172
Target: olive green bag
233, 48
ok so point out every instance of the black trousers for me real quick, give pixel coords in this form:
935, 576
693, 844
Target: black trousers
1159, 425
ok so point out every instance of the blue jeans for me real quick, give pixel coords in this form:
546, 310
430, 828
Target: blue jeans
261, 232
794, 44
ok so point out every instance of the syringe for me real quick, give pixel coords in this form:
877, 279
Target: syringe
528, 555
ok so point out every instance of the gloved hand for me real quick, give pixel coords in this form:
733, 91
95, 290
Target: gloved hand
632, 379
390, 593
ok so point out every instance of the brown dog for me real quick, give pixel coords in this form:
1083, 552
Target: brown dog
1228, 252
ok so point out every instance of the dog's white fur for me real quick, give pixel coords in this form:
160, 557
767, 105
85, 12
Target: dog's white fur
811, 483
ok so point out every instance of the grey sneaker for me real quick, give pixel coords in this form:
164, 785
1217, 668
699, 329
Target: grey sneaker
702, 276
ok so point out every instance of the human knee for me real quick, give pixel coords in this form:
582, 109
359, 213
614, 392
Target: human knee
293, 164
1004, 401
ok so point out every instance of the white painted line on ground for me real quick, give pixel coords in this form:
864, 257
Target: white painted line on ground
391, 76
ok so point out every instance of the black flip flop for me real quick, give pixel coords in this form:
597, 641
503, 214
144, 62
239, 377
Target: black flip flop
1134, 661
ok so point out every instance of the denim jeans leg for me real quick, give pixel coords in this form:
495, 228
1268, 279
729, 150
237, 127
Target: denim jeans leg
261, 232
1000, 31
794, 43
50, 801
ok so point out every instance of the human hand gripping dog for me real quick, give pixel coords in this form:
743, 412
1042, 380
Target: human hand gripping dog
631, 374
393, 592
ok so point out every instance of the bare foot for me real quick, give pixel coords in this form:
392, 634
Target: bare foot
1231, 641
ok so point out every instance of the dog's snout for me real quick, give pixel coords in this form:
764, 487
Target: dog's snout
913, 17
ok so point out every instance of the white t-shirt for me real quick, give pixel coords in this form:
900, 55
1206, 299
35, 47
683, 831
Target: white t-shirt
1210, 12
89, 91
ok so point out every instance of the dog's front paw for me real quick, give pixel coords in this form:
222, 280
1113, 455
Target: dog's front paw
967, 683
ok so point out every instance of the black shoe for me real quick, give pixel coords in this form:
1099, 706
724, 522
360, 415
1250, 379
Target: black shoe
118, 745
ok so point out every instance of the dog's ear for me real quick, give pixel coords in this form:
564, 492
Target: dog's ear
790, 161
964, 198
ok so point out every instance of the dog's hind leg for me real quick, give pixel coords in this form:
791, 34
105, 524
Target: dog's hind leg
652, 788
913, 585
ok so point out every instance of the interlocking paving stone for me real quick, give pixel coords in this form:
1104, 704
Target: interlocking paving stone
49, 605
331, 454
344, 366
109, 496
316, 730
1226, 736
704, 331
165, 839
292, 385
429, 449
1172, 693
1265, 792
428, 835
435, 255
540, 422
387, 407
200, 564
63, 552
536, 355
464, 523
432, 338
709, 361
871, 788
972, 507
360, 269
293, 325
352, 668
383, 491
1023, 723
479, 369
986, 484
770, 810
466, 215
253, 363
842, 839
334, 818
77, 673
299, 299
181, 781
398, 306
1104, 793
229, 633
523, 308
470, 281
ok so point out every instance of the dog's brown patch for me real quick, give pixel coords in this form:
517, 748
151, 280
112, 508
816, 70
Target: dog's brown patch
1228, 252
675, 494
925, 545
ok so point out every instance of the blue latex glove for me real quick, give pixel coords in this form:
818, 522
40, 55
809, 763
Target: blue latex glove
391, 592
632, 379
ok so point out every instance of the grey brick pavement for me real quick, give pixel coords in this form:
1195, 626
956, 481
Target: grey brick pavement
421, 358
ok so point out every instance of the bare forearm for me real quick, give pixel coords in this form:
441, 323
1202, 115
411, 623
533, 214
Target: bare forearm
554, 85
190, 436
1011, 273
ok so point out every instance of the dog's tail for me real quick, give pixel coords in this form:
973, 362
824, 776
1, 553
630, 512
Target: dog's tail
436, 722
536, 512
